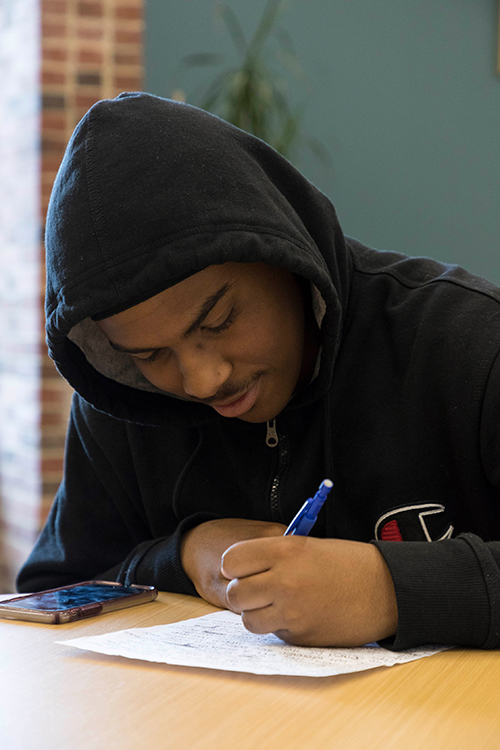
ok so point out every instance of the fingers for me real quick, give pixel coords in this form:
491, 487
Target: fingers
252, 598
261, 621
253, 592
202, 548
262, 605
311, 592
247, 558
258, 586
258, 555
273, 618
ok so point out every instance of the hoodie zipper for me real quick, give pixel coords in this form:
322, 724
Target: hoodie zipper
275, 440
272, 438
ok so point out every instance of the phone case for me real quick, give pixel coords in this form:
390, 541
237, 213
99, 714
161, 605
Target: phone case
137, 595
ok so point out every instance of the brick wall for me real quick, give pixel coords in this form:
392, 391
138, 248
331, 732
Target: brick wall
90, 51
85, 51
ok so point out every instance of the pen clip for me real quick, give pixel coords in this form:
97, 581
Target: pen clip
308, 514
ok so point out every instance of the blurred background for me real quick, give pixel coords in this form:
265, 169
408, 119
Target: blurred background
391, 108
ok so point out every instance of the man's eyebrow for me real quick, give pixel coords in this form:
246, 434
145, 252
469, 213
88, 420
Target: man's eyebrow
125, 350
205, 308
203, 311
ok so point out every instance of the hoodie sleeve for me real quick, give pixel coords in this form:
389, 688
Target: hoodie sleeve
448, 592
97, 527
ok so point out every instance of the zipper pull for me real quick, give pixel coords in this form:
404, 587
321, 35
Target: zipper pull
272, 435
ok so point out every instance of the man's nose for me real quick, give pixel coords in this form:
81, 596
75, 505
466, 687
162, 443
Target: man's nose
203, 373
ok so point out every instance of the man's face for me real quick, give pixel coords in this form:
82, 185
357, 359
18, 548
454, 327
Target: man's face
230, 336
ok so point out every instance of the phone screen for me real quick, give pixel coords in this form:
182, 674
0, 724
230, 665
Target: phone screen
76, 596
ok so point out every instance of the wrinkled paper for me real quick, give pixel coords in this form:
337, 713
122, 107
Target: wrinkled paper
220, 641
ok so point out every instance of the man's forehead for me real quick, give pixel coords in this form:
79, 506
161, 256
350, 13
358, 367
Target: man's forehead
187, 302
206, 281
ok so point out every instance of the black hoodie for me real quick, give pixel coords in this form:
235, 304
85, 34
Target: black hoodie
403, 412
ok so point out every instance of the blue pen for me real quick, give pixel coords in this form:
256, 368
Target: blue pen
307, 515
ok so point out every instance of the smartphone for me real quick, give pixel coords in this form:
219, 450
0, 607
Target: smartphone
76, 601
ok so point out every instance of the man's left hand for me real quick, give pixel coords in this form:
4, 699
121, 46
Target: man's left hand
311, 592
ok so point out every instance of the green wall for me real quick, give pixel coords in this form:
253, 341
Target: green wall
404, 95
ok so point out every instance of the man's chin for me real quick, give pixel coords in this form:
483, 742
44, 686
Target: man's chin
260, 415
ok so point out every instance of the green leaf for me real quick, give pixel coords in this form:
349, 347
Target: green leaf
251, 94
266, 24
233, 26
201, 59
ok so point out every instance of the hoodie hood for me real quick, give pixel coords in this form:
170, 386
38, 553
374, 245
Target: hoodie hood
151, 191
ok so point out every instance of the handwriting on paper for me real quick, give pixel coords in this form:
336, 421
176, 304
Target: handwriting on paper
220, 641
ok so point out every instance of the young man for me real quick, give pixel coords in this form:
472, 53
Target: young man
229, 349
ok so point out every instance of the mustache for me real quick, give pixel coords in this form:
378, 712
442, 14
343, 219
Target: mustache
231, 389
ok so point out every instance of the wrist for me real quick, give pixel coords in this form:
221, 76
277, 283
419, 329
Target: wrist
385, 603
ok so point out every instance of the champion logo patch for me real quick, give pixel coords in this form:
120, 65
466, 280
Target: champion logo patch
390, 532
426, 522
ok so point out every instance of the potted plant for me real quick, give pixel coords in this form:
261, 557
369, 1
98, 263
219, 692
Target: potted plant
251, 94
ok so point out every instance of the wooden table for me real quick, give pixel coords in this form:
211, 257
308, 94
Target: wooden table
53, 696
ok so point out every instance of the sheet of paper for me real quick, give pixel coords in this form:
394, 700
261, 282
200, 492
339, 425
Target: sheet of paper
220, 641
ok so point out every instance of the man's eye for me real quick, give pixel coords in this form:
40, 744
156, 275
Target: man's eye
222, 327
151, 357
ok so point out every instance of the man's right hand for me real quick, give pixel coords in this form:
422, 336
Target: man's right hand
203, 546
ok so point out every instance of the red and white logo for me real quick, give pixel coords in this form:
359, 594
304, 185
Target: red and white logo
414, 523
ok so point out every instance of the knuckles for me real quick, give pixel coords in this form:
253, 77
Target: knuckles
254, 624
230, 561
233, 595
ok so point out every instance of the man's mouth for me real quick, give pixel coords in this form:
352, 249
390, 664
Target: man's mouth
238, 405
